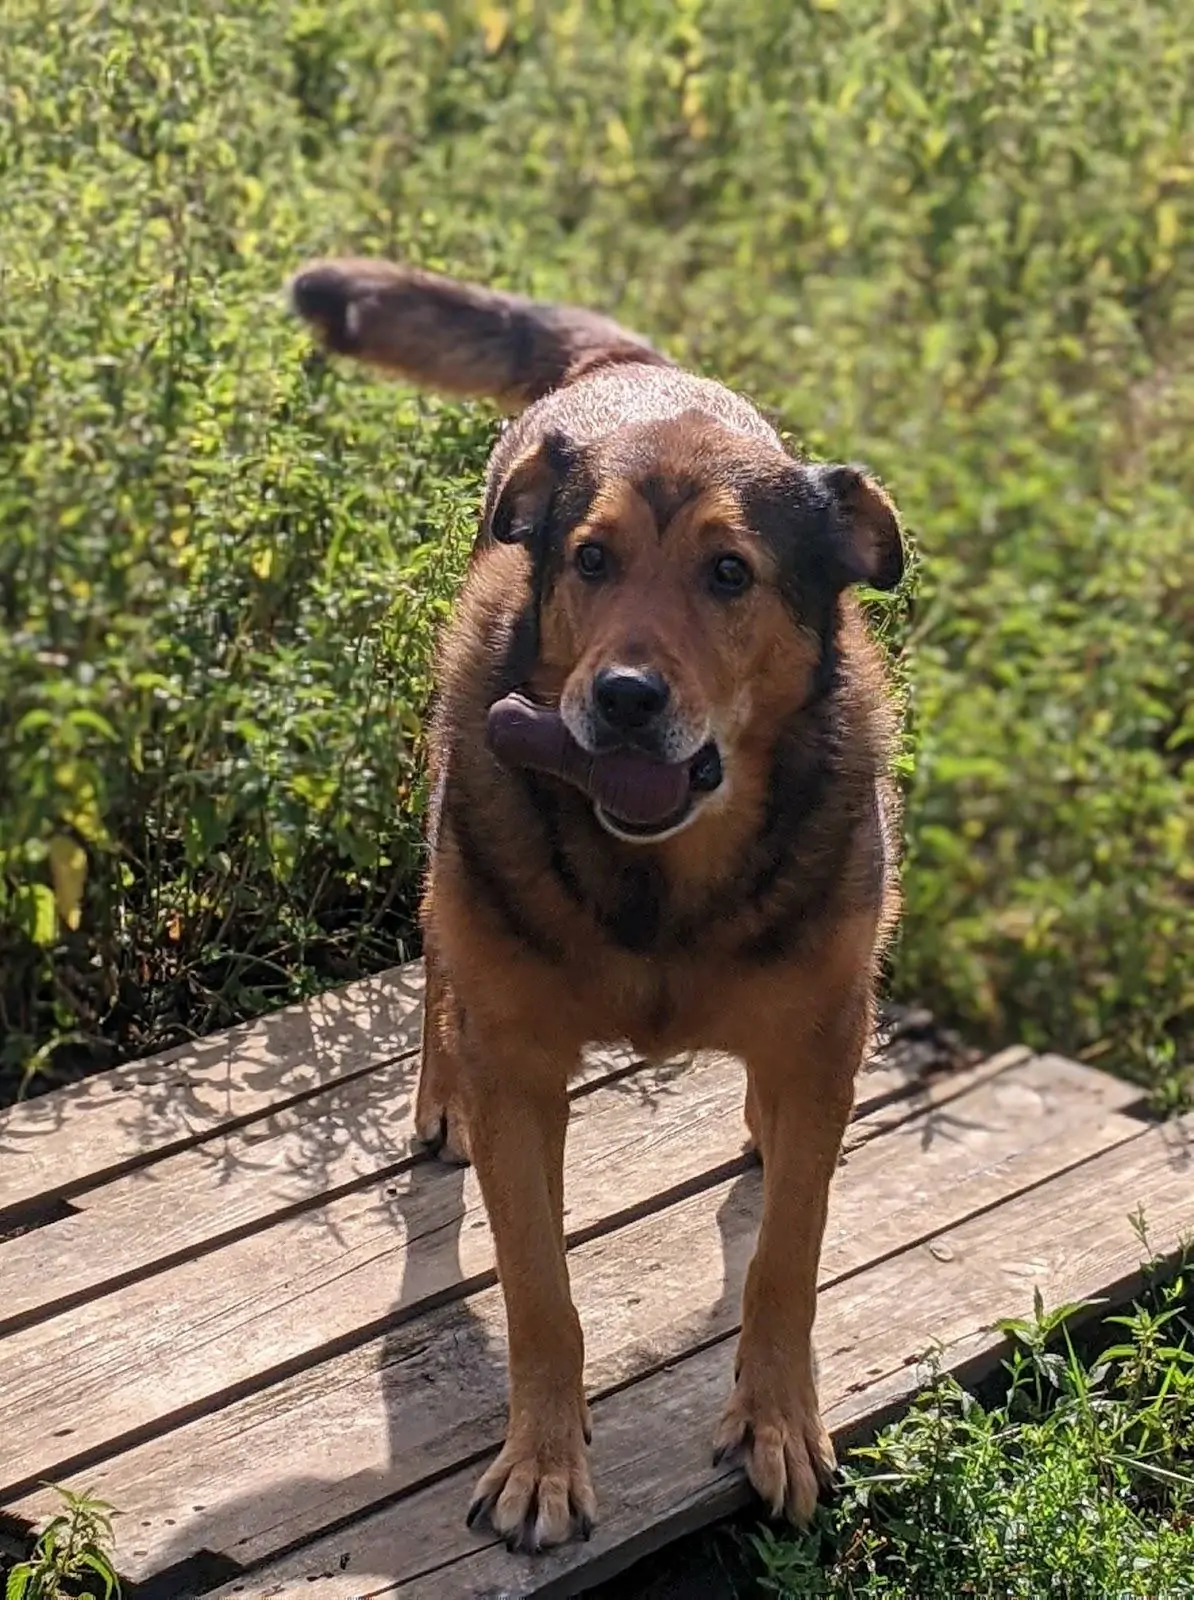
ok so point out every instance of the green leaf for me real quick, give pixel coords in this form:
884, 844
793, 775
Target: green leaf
37, 913
18, 1582
102, 1570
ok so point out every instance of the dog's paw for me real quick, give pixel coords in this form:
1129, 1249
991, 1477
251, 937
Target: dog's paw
537, 1494
443, 1131
440, 1123
784, 1447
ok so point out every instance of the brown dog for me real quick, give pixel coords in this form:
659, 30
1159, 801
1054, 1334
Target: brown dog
661, 814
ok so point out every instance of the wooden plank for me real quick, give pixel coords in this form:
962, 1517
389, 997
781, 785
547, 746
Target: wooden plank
330, 1277
323, 1275
1071, 1238
381, 1418
59, 1143
213, 1192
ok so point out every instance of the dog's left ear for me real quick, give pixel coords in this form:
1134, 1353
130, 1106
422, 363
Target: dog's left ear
867, 545
519, 503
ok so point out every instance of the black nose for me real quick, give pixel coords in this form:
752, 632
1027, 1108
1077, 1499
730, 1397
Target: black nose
629, 698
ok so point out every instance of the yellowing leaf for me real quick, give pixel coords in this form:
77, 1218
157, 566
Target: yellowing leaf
68, 871
495, 25
1167, 225
263, 563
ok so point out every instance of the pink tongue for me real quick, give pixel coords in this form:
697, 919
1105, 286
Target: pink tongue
631, 787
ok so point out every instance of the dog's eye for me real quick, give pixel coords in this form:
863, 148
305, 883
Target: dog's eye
729, 575
591, 560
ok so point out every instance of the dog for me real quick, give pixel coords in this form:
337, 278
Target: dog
661, 813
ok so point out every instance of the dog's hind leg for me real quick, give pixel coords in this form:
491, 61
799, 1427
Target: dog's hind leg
440, 1121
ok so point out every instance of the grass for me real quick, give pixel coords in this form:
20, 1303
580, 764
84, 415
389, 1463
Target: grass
1076, 1481
955, 241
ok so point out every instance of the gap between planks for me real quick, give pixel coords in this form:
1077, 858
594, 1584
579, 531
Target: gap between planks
1070, 1237
1007, 1127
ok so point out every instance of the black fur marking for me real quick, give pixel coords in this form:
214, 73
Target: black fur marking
663, 1009
637, 915
825, 678
796, 518
487, 877
797, 787
798, 795
546, 805
881, 845
782, 934
666, 496
634, 920
521, 653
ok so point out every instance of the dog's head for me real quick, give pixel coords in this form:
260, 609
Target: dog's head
686, 579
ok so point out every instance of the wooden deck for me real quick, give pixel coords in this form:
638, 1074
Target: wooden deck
239, 1307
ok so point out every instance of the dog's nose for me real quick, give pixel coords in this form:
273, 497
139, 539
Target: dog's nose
628, 698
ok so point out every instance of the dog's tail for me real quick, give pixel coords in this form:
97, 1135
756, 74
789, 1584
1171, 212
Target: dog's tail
458, 337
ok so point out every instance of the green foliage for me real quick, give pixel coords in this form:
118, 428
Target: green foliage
953, 240
1078, 1483
74, 1548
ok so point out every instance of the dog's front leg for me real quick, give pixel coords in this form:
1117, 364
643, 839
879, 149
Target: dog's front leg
539, 1488
801, 1093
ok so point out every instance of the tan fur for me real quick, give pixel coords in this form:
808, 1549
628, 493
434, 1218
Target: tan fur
740, 932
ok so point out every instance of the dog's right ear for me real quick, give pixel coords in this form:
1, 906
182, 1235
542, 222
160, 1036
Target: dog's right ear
519, 505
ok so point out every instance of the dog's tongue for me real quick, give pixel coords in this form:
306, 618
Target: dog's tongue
631, 787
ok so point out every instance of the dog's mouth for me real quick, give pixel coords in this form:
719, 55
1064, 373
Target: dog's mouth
636, 796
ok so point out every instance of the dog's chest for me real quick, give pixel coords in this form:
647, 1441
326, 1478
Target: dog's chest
635, 913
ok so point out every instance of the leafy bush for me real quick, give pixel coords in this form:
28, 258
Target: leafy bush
952, 240
1079, 1482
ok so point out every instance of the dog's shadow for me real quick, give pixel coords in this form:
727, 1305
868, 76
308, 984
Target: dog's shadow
433, 1377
